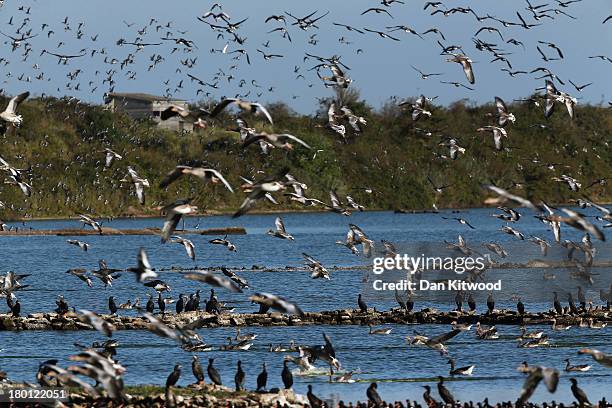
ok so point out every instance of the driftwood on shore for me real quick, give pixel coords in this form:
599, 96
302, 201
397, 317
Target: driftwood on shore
113, 231
200, 319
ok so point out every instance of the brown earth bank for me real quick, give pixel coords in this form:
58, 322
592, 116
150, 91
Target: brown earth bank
200, 319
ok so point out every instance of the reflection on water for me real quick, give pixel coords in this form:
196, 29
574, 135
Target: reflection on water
402, 370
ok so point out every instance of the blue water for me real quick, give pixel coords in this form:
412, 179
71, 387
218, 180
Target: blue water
401, 369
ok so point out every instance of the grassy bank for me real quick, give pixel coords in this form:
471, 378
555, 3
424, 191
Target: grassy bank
61, 143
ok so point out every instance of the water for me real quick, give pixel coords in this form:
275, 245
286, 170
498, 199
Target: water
402, 370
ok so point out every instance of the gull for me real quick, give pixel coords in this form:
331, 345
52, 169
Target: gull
87, 220
139, 183
377, 11
81, 274
96, 322
498, 134
280, 231
189, 247
276, 302
201, 173
503, 117
424, 75
466, 63
252, 107
83, 245
349, 28
9, 114
553, 95
579, 88
212, 279
110, 156
240, 282
512, 231
281, 141
258, 190
218, 241
174, 212
318, 270
143, 271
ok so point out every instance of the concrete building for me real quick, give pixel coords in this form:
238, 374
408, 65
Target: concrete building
142, 105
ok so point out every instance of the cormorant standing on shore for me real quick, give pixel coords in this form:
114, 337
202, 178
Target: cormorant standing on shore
287, 376
196, 369
150, 304
471, 303
196, 300
490, 303
213, 374
239, 377
445, 394
557, 304
174, 376
429, 400
180, 304
16, 309
161, 303
62, 306
362, 305
520, 307
189, 306
581, 298
263, 308
579, 394
112, 306
459, 301
410, 303
572, 305
262, 379
313, 400
373, 396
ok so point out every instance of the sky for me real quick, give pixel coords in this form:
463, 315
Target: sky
381, 70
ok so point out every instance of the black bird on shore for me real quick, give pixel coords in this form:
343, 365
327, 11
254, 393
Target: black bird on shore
287, 376
409, 303
373, 396
16, 309
239, 377
313, 400
572, 305
490, 303
429, 400
459, 301
471, 303
174, 376
520, 307
196, 369
445, 394
262, 378
62, 306
363, 307
150, 304
557, 304
161, 303
112, 306
580, 395
180, 304
581, 298
213, 374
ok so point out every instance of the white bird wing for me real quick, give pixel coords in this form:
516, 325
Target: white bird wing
294, 138
263, 110
280, 225
15, 101
220, 177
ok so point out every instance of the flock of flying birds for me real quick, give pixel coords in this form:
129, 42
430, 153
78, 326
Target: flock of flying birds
333, 73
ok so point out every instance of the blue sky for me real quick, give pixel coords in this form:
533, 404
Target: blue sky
382, 70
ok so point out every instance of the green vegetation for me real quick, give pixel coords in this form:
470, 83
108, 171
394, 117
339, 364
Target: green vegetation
61, 142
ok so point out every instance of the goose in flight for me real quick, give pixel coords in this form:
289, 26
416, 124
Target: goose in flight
376, 10
512, 231
460, 221
553, 95
252, 107
354, 120
280, 231
174, 212
281, 141
213, 280
25, 188
139, 183
454, 148
419, 108
223, 241
201, 173
110, 156
187, 244
244, 285
143, 271
83, 245
9, 114
277, 303
318, 270
195, 117
87, 220
536, 375
598, 356
509, 196
95, 321
258, 190
498, 134
503, 116
423, 74
81, 274
466, 63
338, 77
